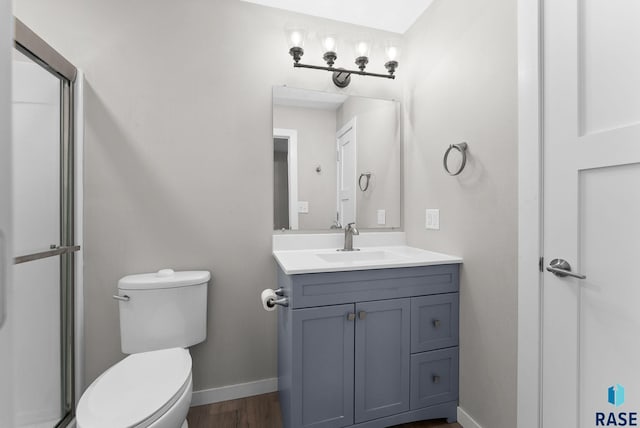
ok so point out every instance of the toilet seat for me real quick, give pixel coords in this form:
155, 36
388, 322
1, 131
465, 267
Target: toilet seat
137, 391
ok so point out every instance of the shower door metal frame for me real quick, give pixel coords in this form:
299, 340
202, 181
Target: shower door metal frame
30, 44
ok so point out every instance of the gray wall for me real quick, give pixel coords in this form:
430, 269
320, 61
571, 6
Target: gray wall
178, 157
316, 146
461, 83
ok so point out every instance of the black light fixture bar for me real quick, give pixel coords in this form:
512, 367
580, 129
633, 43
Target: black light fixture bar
342, 70
341, 76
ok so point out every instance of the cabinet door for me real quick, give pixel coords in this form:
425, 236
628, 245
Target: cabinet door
382, 358
322, 381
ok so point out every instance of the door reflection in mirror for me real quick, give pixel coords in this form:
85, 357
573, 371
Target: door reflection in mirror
338, 137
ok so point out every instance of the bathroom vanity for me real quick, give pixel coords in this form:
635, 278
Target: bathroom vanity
369, 338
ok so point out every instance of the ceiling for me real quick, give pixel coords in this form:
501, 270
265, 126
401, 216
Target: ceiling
380, 14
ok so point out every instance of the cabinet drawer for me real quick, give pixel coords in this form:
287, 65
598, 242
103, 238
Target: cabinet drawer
434, 322
434, 377
331, 288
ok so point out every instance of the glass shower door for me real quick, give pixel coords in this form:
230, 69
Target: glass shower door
43, 287
36, 190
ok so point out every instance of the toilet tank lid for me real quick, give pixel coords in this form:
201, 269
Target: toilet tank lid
164, 278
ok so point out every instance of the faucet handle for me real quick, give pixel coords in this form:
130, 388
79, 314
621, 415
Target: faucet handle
351, 228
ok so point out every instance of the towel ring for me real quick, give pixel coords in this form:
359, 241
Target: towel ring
462, 148
366, 175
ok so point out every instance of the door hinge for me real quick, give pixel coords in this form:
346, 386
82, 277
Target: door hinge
541, 264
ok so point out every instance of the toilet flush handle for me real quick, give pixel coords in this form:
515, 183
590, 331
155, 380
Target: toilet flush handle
124, 298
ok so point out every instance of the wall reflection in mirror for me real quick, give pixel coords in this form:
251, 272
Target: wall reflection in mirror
336, 161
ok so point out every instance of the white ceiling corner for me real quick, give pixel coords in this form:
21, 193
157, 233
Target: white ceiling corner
386, 15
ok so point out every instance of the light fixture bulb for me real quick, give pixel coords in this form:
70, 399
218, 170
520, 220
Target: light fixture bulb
296, 37
392, 50
329, 44
362, 48
392, 53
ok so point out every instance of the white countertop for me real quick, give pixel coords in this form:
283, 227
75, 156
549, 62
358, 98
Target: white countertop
375, 257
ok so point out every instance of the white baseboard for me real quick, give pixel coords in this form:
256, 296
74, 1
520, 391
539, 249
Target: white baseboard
465, 420
231, 392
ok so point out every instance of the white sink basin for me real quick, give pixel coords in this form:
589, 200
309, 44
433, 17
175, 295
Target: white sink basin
358, 256
383, 257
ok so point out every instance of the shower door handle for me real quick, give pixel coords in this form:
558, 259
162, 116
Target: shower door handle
51, 252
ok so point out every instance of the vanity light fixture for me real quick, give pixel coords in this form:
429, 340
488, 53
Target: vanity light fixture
341, 77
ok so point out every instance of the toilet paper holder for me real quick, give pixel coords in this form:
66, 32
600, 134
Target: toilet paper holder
282, 301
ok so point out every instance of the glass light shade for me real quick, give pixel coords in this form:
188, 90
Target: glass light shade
330, 43
393, 51
296, 37
363, 47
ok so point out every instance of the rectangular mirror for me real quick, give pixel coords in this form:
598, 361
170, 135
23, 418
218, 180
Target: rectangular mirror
336, 160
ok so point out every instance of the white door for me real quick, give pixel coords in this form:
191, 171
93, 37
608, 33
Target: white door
6, 41
346, 140
591, 346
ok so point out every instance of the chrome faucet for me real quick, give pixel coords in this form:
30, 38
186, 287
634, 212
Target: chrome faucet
349, 231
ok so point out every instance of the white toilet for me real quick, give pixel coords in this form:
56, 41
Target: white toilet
160, 315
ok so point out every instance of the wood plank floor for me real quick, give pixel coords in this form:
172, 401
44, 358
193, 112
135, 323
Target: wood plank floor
262, 411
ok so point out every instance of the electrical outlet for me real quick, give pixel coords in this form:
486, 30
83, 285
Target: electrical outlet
382, 217
432, 219
303, 207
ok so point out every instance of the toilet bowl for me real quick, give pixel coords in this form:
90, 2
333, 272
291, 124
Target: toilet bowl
161, 314
149, 389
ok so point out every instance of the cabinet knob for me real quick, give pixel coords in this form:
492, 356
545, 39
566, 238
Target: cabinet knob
436, 323
362, 315
435, 379
351, 316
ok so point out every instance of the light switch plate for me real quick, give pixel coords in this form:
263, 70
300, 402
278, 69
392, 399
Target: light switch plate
432, 219
303, 207
382, 217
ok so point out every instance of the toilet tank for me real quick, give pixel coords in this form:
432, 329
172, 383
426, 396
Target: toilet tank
162, 310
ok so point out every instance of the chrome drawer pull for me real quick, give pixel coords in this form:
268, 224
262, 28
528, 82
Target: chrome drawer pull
436, 323
351, 316
435, 379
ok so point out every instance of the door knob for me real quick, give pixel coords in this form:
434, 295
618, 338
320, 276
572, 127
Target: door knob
562, 268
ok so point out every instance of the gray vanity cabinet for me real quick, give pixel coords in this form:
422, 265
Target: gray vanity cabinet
368, 348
